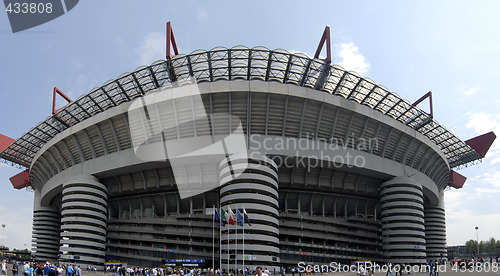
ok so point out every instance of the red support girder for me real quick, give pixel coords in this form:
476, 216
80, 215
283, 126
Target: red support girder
482, 143
60, 93
427, 95
21, 180
457, 180
171, 40
5, 142
325, 39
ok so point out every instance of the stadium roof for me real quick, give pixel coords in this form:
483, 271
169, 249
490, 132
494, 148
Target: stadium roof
242, 63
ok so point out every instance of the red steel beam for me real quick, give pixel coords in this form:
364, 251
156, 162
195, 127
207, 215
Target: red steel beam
21, 180
171, 41
482, 143
325, 38
5, 142
427, 95
54, 94
457, 180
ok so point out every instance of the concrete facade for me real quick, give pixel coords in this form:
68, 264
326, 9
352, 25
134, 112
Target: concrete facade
402, 218
307, 203
257, 190
83, 220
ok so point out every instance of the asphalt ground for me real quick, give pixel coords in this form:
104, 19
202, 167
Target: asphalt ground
444, 271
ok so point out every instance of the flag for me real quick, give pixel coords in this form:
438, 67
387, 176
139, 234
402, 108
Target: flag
231, 215
223, 218
216, 215
245, 217
239, 218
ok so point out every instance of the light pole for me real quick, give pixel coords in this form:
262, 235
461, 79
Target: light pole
477, 239
3, 234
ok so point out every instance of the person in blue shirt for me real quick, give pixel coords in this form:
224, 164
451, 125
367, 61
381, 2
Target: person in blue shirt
31, 270
46, 269
431, 268
70, 270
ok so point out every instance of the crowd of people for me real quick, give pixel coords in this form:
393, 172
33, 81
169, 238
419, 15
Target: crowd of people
55, 269
473, 261
156, 271
40, 269
48, 269
170, 271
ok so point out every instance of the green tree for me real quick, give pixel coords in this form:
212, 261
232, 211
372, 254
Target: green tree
490, 246
470, 246
23, 254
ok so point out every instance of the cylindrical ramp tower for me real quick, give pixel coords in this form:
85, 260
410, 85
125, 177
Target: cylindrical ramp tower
46, 233
435, 230
402, 218
84, 210
251, 184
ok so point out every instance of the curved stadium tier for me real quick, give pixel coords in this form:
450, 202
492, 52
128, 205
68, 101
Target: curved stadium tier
96, 201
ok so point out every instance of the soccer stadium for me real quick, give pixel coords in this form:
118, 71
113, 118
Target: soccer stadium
338, 168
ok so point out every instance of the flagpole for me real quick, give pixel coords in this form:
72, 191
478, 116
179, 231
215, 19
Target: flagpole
213, 238
236, 243
220, 242
228, 247
244, 240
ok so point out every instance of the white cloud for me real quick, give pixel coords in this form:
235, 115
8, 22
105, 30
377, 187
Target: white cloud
351, 59
152, 49
482, 122
494, 157
486, 192
493, 179
471, 91
468, 91
473, 205
203, 15
18, 226
488, 227
76, 64
453, 201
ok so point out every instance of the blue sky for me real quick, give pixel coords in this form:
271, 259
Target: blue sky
451, 48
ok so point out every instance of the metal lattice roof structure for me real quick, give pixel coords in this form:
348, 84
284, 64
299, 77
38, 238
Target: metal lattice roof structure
240, 62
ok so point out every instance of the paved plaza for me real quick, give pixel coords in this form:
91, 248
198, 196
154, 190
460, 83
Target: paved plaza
445, 271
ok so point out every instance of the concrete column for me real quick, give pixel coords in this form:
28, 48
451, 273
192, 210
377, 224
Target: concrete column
84, 209
46, 229
435, 230
402, 218
251, 183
